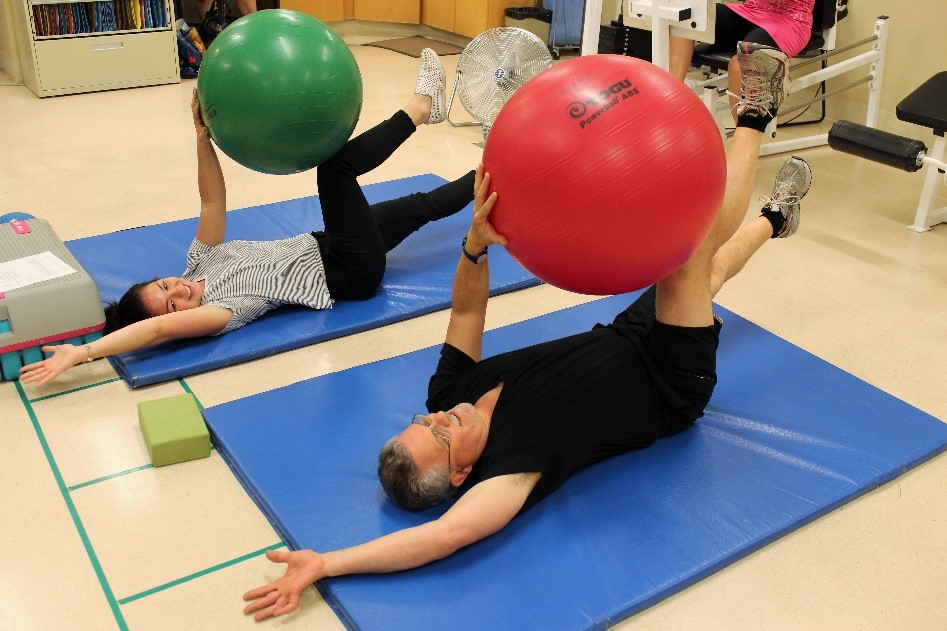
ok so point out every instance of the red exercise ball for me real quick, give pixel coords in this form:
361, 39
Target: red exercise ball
609, 173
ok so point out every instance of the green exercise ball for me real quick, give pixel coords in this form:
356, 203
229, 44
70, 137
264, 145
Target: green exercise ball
280, 92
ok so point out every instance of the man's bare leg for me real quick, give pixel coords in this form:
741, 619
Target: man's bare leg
734, 254
684, 297
779, 218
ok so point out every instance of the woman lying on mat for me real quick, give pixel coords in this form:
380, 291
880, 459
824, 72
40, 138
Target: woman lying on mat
229, 284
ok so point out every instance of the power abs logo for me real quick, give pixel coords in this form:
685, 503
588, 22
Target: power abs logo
590, 110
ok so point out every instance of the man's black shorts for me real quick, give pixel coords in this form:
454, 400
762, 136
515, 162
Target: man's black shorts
684, 359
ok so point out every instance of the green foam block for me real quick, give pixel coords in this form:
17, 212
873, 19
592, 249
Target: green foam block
174, 430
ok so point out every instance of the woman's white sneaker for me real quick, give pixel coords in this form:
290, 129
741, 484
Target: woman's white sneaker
432, 82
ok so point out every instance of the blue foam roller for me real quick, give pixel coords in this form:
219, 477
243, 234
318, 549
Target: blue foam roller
10, 364
32, 355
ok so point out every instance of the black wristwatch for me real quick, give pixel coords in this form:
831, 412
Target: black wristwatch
473, 258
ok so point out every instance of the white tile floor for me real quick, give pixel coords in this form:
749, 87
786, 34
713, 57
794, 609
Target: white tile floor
94, 538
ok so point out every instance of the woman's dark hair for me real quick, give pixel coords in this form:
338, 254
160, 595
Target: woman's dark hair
128, 310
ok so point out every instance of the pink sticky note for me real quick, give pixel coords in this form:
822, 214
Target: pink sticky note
20, 227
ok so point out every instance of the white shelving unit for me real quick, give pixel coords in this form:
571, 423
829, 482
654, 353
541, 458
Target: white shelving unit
111, 44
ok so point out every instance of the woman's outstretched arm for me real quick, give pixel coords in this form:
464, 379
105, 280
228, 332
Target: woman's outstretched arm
199, 322
212, 224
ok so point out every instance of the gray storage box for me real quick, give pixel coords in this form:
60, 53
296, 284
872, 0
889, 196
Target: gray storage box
62, 309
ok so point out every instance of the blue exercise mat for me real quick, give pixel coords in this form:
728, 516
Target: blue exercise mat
417, 281
788, 438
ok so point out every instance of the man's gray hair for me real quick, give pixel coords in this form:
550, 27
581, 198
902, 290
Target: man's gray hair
405, 483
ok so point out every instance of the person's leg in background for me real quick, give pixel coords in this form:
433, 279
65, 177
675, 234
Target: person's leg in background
246, 7
680, 55
241, 7
729, 29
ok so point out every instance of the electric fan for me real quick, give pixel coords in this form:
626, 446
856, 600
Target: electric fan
492, 67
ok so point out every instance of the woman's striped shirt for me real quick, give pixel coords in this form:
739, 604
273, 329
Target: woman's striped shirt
253, 277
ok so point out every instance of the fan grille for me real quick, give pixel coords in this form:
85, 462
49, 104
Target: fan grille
494, 65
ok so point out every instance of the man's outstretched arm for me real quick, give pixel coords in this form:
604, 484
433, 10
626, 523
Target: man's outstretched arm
472, 280
482, 511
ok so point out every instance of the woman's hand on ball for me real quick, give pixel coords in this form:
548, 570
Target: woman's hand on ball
199, 125
482, 233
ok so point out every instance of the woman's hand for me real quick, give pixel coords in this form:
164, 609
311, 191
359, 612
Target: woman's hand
65, 356
303, 568
482, 233
199, 126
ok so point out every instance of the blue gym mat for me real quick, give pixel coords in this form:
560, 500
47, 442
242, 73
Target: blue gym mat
417, 281
788, 438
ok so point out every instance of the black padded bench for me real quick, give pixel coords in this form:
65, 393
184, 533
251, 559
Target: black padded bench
927, 107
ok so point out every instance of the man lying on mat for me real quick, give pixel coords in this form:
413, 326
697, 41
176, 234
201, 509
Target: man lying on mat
532, 417
229, 284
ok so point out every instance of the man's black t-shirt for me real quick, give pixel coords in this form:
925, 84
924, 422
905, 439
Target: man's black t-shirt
565, 404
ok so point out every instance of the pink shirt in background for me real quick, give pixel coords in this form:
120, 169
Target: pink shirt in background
789, 22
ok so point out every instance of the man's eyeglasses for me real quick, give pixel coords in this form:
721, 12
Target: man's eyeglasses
440, 433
